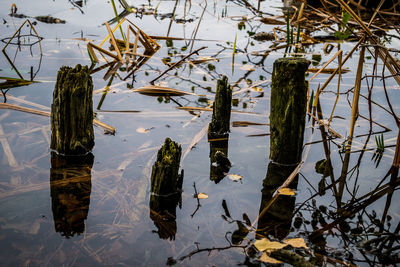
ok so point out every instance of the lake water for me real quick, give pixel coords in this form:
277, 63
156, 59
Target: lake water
103, 217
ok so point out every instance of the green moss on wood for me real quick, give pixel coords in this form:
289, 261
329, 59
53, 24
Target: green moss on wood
72, 112
288, 109
165, 179
219, 126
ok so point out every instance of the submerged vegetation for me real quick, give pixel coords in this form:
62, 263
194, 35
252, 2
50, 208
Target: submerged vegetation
157, 70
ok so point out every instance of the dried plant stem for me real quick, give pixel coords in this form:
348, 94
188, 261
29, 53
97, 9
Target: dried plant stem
383, 53
7, 149
336, 70
176, 64
326, 64
113, 42
338, 87
353, 119
96, 122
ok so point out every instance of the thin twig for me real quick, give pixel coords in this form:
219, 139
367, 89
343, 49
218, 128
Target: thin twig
176, 64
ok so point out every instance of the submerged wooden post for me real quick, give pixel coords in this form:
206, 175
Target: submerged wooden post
72, 112
219, 126
166, 189
288, 109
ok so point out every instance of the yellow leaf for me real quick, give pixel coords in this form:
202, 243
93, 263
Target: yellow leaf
265, 244
296, 242
201, 196
267, 259
286, 191
257, 89
234, 177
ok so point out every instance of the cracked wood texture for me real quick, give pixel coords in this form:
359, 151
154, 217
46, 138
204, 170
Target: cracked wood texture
72, 112
288, 109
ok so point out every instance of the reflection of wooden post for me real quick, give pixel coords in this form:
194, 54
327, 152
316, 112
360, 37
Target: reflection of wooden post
166, 188
219, 163
219, 126
288, 109
278, 218
72, 112
70, 186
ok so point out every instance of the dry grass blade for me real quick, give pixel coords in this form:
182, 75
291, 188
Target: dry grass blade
106, 127
246, 123
154, 90
327, 70
113, 42
324, 66
7, 149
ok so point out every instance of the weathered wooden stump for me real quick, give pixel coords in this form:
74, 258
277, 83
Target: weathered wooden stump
288, 109
166, 189
219, 126
72, 112
70, 189
287, 123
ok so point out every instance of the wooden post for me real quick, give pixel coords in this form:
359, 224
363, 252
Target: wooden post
70, 188
219, 126
287, 123
72, 112
166, 189
288, 109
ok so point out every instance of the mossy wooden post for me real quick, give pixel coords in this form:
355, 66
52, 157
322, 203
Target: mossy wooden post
288, 109
219, 126
287, 123
166, 188
72, 112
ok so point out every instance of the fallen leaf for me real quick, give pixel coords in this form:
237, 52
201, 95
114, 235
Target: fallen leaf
154, 90
265, 244
142, 130
267, 259
296, 242
201, 196
234, 177
247, 67
257, 89
286, 191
